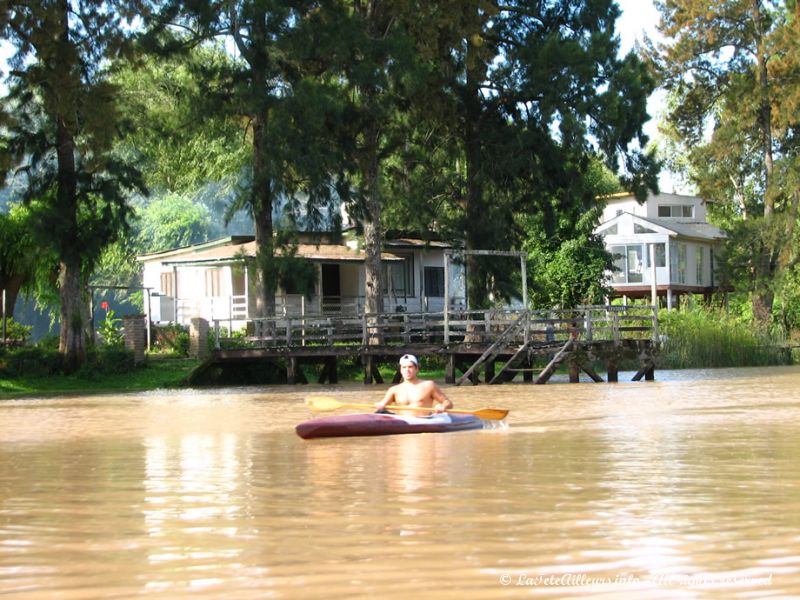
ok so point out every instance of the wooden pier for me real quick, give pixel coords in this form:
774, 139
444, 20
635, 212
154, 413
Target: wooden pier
493, 346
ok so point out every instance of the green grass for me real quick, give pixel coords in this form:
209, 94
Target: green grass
710, 338
155, 373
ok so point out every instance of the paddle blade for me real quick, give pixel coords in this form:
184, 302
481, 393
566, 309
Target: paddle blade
323, 403
491, 414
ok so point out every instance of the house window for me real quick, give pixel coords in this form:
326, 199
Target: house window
641, 229
610, 230
628, 261
699, 264
168, 283
434, 282
660, 252
213, 287
676, 210
398, 278
678, 264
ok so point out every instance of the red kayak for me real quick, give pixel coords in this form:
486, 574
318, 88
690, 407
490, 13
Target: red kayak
385, 424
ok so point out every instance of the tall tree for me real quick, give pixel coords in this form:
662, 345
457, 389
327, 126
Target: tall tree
731, 70
260, 86
17, 255
366, 49
61, 135
528, 93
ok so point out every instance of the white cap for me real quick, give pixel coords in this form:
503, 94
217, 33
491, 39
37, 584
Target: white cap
409, 358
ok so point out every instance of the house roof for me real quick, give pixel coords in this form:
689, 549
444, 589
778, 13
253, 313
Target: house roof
695, 229
415, 243
675, 227
611, 198
233, 250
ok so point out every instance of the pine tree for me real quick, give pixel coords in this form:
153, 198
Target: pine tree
526, 95
731, 70
270, 86
62, 122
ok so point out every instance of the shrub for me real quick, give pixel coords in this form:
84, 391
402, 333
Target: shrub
109, 329
31, 361
17, 333
107, 360
711, 337
171, 339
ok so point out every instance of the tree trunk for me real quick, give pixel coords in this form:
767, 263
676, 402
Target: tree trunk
763, 295
373, 235
72, 339
370, 192
262, 215
477, 297
373, 229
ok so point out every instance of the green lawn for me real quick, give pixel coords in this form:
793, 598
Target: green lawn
156, 373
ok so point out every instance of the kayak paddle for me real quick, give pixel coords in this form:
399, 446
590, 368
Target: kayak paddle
327, 404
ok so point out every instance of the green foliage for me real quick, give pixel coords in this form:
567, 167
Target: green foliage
61, 121
493, 168
172, 221
711, 337
17, 332
30, 361
171, 339
109, 330
184, 142
567, 261
45, 361
731, 69
107, 360
571, 274
18, 264
161, 373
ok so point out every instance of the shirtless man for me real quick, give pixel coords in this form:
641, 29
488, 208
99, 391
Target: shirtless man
414, 391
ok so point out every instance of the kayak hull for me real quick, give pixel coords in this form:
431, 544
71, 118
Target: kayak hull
383, 424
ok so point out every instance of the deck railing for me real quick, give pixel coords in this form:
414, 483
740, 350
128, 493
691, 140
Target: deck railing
590, 323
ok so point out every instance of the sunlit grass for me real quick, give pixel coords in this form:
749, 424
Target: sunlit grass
154, 374
709, 338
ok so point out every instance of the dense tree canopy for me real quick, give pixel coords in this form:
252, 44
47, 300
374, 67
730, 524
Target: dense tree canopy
472, 120
522, 98
732, 69
61, 123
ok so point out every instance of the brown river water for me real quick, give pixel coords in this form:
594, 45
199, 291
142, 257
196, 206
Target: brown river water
685, 487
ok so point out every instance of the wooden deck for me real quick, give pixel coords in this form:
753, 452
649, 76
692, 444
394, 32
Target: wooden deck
493, 346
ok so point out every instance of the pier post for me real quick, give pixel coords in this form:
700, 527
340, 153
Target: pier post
450, 369
489, 371
134, 335
198, 338
574, 373
367, 369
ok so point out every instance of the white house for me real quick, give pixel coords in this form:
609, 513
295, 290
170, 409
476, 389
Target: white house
662, 248
213, 280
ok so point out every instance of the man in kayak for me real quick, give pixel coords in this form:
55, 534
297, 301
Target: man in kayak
414, 391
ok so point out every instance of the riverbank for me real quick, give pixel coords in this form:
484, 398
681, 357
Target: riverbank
154, 374
157, 373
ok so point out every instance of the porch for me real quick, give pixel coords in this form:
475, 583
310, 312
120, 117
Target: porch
473, 342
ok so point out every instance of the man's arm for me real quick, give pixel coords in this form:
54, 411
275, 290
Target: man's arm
387, 399
442, 401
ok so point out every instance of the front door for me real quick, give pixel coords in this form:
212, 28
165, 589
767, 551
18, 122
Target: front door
331, 289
